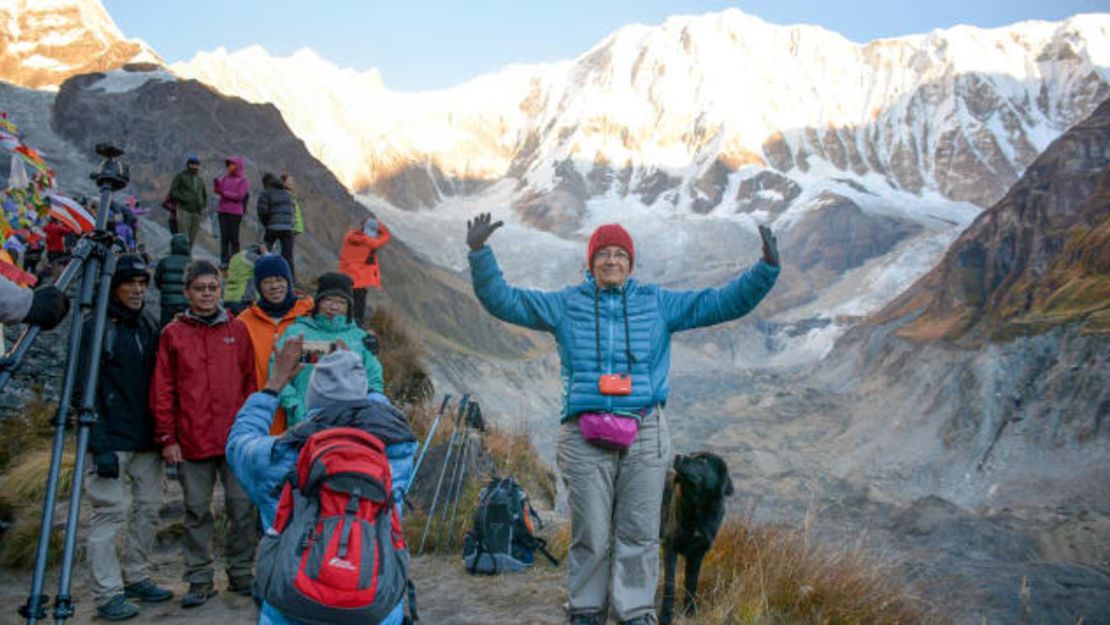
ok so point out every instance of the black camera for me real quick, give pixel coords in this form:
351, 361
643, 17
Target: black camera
113, 173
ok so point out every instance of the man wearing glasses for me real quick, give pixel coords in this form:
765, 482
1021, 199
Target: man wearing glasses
204, 373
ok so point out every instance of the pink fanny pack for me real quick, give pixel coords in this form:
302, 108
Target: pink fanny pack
607, 430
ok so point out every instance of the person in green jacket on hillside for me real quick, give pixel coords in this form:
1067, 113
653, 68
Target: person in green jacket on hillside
239, 288
169, 277
188, 191
329, 322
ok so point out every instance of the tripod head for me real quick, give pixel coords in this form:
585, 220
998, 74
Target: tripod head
113, 174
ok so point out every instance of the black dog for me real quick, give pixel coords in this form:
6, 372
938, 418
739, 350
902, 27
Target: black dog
693, 508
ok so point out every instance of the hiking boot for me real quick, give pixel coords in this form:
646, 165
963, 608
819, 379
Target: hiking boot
199, 594
645, 619
117, 608
147, 592
242, 585
593, 618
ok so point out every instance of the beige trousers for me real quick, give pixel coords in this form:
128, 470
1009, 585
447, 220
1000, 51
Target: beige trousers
112, 507
615, 498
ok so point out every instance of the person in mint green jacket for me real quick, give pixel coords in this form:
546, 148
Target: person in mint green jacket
330, 321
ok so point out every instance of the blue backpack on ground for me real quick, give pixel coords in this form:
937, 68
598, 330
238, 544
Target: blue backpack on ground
503, 537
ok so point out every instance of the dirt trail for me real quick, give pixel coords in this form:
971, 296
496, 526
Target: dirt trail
446, 595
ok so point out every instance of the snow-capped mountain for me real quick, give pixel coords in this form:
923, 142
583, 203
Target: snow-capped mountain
867, 158
687, 110
43, 42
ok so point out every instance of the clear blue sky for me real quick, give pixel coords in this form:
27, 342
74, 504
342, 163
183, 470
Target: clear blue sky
434, 44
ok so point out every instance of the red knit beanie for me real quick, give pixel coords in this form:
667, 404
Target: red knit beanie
610, 234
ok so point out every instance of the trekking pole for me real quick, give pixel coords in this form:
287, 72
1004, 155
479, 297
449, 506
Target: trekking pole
443, 472
453, 484
452, 480
428, 440
462, 476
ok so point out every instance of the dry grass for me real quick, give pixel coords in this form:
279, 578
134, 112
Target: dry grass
26, 430
20, 542
778, 575
402, 358
444, 532
25, 479
514, 455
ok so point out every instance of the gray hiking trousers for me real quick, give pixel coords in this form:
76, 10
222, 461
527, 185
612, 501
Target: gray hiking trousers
615, 498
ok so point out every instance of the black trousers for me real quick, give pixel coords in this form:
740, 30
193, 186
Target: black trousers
229, 236
286, 238
360, 307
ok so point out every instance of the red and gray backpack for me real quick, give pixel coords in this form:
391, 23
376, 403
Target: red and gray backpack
336, 552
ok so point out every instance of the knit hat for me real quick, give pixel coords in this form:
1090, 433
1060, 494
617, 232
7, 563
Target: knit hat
129, 266
338, 377
610, 234
199, 268
192, 158
274, 266
337, 284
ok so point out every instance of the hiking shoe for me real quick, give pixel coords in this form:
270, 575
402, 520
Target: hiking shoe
242, 585
147, 592
646, 619
586, 619
117, 608
199, 594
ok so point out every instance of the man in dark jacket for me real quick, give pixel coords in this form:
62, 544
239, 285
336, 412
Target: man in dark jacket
276, 213
122, 449
188, 191
169, 277
205, 371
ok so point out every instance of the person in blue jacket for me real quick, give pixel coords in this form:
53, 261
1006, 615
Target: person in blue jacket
610, 330
336, 397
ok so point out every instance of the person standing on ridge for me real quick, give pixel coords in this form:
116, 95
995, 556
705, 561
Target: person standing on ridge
124, 487
358, 258
169, 277
204, 373
277, 214
190, 197
329, 323
614, 338
234, 191
277, 307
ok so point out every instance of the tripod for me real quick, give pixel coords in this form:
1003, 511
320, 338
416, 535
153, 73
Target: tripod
94, 261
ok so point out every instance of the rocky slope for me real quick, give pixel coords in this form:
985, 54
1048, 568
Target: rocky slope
987, 375
157, 119
42, 43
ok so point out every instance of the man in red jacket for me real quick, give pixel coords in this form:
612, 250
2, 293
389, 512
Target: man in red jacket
204, 373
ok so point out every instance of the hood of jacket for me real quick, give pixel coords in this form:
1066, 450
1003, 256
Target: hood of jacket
179, 244
239, 171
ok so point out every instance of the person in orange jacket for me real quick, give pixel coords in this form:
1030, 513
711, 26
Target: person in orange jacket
359, 259
274, 311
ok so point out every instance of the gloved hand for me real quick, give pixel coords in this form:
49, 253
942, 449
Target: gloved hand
48, 308
478, 230
372, 343
107, 464
770, 246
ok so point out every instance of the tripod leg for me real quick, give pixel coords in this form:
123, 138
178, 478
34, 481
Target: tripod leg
35, 608
63, 603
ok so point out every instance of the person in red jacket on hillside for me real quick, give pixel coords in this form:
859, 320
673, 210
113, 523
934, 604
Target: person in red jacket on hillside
203, 374
358, 258
56, 232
